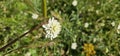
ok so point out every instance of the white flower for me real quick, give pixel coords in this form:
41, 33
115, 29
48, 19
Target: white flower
28, 54
118, 29
113, 23
102, 24
118, 26
74, 45
97, 12
86, 25
52, 29
34, 16
74, 3
98, 2
25, 14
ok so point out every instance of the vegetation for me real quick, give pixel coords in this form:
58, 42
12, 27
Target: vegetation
94, 25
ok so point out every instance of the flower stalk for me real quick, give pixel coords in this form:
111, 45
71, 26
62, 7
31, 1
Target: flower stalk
44, 8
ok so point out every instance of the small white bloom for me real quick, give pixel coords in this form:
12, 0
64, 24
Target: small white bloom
28, 54
74, 45
34, 16
86, 25
118, 26
52, 29
102, 24
25, 14
74, 3
97, 12
113, 23
118, 29
98, 2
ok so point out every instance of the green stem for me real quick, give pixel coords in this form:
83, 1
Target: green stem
44, 8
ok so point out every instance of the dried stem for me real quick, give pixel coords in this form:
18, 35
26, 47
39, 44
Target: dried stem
15, 40
36, 27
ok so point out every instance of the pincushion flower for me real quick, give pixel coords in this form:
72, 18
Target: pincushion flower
52, 28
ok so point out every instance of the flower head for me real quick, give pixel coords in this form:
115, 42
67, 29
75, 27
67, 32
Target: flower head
28, 54
74, 45
118, 26
86, 25
52, 29
89, 49
74, 3
113, 23
34, 16
118, 29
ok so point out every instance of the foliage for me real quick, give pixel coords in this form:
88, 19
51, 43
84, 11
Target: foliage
102, 17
